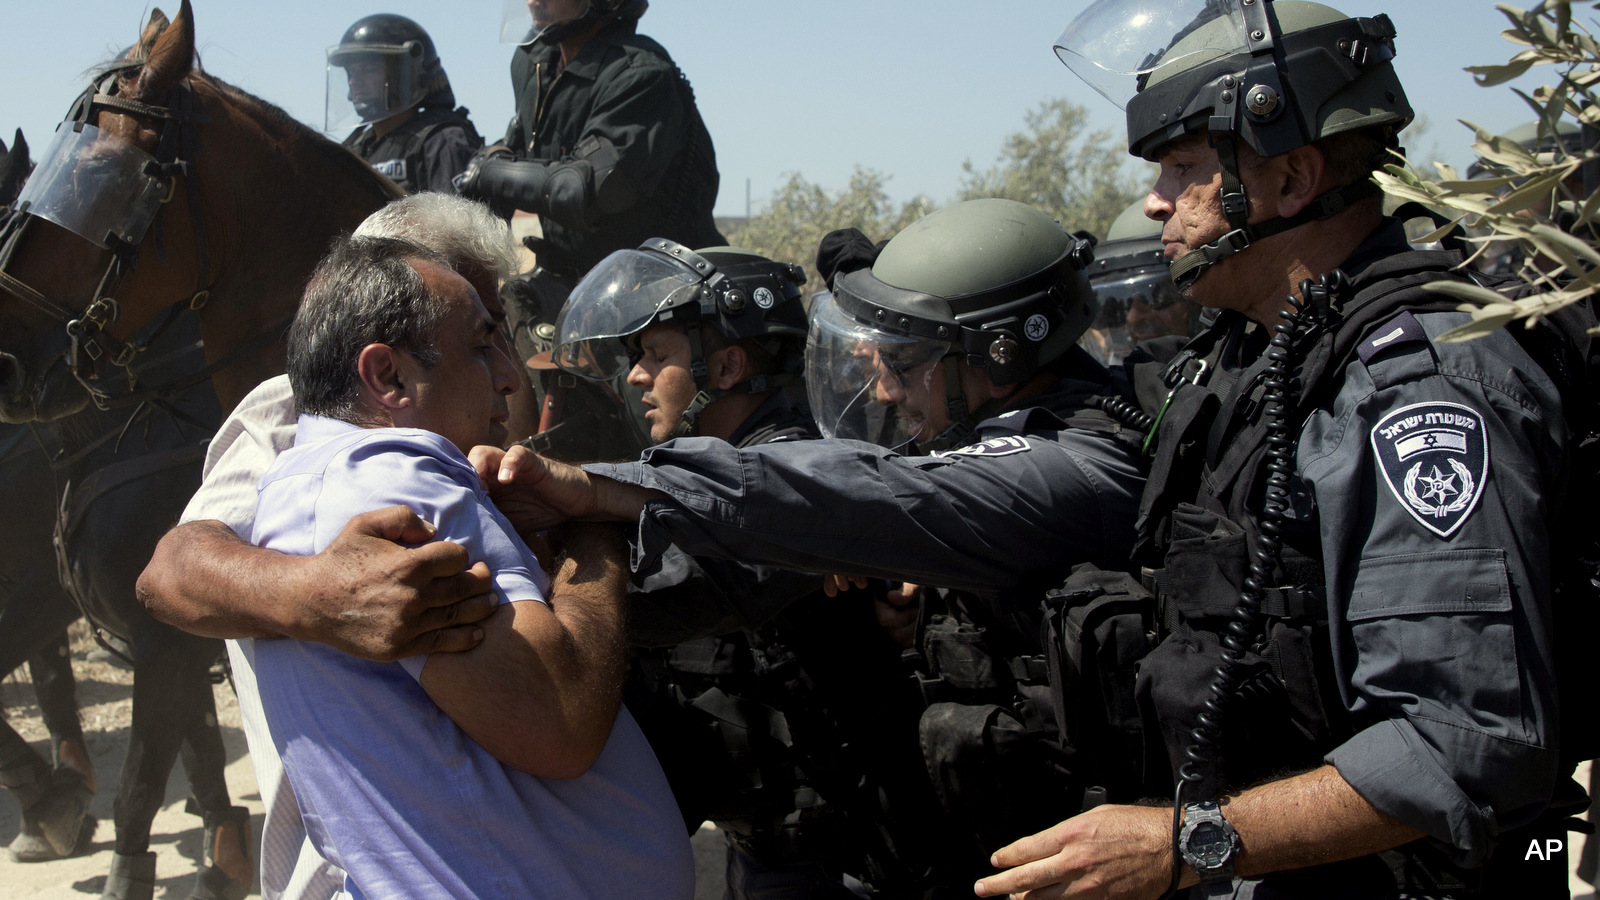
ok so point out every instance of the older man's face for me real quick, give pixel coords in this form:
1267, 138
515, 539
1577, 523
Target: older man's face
463, 397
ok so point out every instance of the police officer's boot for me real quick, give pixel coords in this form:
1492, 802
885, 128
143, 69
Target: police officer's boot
226, 871
132, 877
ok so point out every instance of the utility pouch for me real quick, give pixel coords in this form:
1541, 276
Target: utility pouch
989, 769
1097, 627
960, 660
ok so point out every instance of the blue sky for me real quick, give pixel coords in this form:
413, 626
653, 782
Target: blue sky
911, 88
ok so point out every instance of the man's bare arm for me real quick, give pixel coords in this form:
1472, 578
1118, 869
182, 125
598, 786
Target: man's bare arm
542, 690
1126, 851
365, 594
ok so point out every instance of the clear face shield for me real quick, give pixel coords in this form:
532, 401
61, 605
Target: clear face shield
597, 328
869, 385
95, 185
370, 82
522, 21
1136, 306
1114, 43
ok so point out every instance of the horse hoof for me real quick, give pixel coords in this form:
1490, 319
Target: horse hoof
30, 845
59, 815
132, 877
228, 870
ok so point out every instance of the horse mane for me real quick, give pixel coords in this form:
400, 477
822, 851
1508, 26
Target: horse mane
275, 118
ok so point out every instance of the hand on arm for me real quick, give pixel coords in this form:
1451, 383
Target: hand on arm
365, 595
542, 690
1126, 851
536, 493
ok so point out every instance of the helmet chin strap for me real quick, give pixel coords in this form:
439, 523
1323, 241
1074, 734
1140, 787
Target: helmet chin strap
688, 423
1189, 267
963, 422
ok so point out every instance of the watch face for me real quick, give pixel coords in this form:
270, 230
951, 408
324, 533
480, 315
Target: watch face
1208, 845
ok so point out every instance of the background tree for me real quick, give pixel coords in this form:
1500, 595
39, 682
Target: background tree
1082, 178
792, 223
1537, 199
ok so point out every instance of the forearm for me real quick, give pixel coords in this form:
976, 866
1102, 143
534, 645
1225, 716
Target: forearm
1309, 820
206, 580
543, 689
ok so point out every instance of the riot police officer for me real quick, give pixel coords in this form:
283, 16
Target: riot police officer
385, 73
1138, 301
772, 707
969, 451
1340, 503
608, 148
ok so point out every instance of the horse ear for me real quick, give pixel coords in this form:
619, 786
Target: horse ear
158, 24
19, 144
170, 59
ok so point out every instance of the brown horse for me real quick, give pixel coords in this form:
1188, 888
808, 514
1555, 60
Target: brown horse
171, 206
240, 200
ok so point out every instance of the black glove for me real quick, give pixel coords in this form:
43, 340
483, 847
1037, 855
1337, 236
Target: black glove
845, 250
561, 191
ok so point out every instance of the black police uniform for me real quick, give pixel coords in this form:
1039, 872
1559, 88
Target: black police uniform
1408, 631
1037, 491
425, 153
779, 713
622, 88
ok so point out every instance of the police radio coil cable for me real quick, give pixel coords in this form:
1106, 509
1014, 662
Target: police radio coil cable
1246, 616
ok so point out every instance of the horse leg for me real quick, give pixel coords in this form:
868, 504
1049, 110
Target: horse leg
169, 684
226, 869
51, 670
55, 803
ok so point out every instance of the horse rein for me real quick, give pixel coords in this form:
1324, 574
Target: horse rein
91, 345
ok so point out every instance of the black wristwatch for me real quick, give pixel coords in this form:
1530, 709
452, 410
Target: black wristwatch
1208, 842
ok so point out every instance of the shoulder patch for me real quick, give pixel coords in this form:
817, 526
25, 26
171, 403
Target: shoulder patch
1435, 459
1402, 329
1000, 446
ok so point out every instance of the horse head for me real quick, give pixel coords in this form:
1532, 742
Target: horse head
137, 215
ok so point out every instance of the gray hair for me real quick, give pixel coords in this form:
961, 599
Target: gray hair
364, 291
464, 232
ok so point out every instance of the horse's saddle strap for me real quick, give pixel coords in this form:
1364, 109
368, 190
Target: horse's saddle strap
26, 292
82, 495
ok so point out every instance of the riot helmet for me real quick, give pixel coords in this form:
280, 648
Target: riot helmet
1138, 300
739, 294
993, 283
1273, 74
385, 64
551, 21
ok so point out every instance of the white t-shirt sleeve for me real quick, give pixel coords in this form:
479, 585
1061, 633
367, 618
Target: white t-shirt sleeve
260, 427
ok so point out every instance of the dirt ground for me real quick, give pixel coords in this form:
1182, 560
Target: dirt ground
104, 699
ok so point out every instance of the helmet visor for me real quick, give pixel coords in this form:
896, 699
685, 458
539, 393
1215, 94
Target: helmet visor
619, 298
865, 384
95, 185
370, 82
1114, 43
1136, 307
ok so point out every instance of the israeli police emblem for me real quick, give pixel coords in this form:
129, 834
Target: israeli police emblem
1435, 459
1036, 328
1000, 446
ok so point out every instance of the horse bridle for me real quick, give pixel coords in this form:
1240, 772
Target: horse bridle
91, 346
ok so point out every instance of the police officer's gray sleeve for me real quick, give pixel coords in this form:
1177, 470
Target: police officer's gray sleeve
967, 521
1432, 495
677, 598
